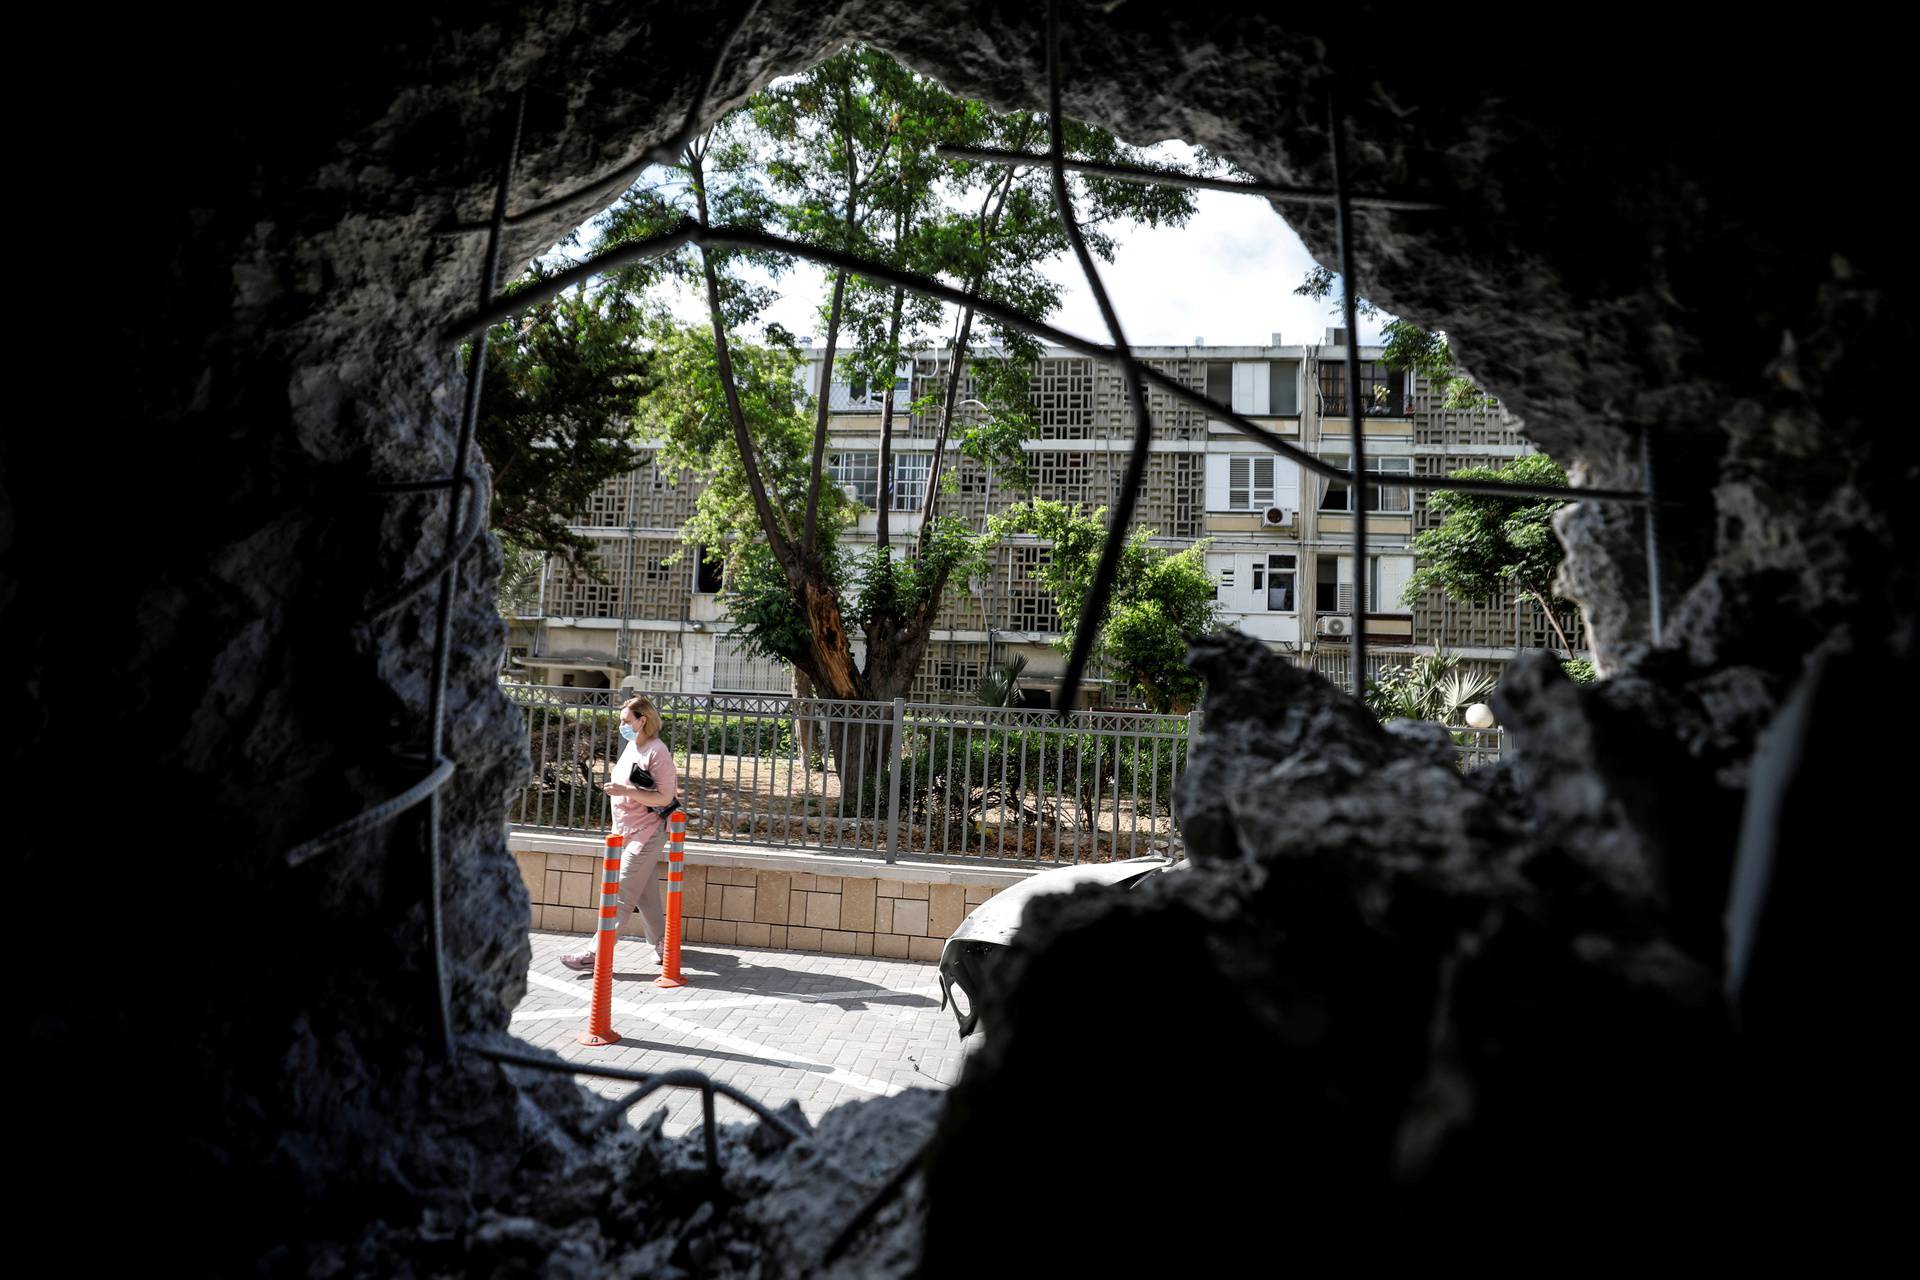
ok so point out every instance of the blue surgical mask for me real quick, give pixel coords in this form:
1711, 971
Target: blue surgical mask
626, 731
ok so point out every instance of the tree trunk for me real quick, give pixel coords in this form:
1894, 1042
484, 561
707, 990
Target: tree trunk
820, 412
1553, 622
833, 669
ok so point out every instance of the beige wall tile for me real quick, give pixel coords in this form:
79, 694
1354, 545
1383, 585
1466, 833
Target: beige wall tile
914, 889
923, 948
550, 887
910, 917
773, 899
696, 930
823, 911
827, 884
586, 920
883, 915
558, 918
533, 871
892, 888
837, 941
796, 907
802, 939
891, 945
803, 881
778, 935
576, 889
857, 904
559, 862
587, 862
724, 932
754, 935
863, 944
693, 893
736, 903
947, 909
977, 894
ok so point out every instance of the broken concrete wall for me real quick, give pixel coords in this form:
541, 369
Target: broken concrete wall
1617, 256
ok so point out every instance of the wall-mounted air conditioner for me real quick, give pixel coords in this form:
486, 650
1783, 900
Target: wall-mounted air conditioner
1332, 624
1275, 518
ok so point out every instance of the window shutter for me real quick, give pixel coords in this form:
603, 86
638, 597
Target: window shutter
1262, 482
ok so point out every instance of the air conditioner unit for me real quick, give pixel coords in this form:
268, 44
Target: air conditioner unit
1333, 624
1275, 518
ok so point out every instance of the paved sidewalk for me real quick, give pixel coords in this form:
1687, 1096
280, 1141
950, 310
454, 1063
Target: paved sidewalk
776, 1024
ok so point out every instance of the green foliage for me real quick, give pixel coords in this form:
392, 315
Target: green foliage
1430, 687
518, 594
1160, 599
563, 384
995, 442
900, 586
768, 619
1580, 671
1487, 543
689, 414
1407, 346
1001, 688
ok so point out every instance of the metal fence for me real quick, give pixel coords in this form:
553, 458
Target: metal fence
886, 779
1475, 747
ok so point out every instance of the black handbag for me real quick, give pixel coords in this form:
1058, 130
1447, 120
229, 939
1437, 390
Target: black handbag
642, 779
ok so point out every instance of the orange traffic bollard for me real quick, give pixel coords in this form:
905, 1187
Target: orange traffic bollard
676, 852
600, 1017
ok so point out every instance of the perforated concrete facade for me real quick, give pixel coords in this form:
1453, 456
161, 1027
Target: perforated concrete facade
1077, 454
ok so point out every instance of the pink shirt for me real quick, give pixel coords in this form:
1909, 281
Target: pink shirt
631, 817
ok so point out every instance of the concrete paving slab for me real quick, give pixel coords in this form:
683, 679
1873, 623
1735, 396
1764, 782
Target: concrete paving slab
779, 1025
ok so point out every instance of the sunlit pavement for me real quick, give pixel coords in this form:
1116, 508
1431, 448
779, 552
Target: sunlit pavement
778, 1025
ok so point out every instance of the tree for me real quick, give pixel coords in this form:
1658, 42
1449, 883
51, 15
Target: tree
843, 157
1408, 346
556, 409
1161, 600
1487, 543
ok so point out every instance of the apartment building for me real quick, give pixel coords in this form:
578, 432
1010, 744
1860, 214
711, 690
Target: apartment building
1279, 540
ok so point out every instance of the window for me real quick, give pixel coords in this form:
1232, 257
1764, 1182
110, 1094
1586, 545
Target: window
858, 472
1386, 581
1226, 584
1220, 383
1387, 499
708, 574
1283, 394
1249, 484
1280, 575
1382, 390
910, 474
861, 472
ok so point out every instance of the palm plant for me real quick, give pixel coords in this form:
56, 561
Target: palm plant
1430, 687
1001, 688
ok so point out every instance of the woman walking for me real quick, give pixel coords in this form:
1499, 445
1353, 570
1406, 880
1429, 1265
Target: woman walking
644, 790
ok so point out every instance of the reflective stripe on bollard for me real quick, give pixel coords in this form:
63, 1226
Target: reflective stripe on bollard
676, 853
600, 1016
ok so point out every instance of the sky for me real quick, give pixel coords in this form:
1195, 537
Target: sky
1225, 278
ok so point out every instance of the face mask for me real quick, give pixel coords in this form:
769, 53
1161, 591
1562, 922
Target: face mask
626, 731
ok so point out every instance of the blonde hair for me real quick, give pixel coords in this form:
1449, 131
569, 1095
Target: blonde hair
648, 714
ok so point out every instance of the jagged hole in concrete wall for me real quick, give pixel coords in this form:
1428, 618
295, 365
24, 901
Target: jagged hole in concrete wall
1385, 992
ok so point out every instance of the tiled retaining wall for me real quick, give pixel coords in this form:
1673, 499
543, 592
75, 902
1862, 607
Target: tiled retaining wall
765, 900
